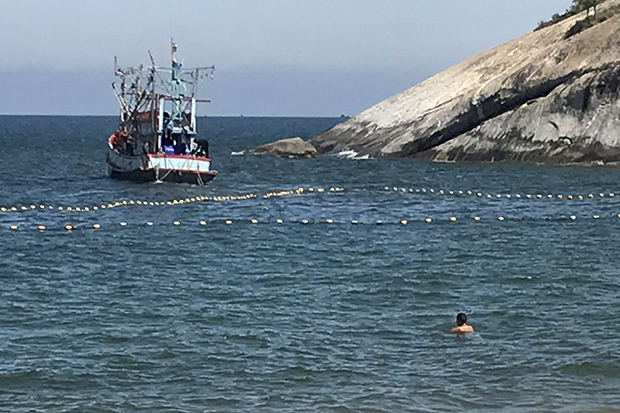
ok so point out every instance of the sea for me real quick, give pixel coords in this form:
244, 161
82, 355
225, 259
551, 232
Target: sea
301, 285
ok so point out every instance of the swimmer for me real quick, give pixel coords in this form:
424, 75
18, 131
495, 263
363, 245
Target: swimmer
461, 325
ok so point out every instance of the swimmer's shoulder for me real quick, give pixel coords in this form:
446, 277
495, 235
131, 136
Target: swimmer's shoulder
462, 329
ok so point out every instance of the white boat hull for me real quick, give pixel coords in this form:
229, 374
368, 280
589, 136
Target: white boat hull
159, 167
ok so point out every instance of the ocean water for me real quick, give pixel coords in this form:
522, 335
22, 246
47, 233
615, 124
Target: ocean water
304, 310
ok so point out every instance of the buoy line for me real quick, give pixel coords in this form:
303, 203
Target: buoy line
495, 195
178, 201
403, 222
40, 207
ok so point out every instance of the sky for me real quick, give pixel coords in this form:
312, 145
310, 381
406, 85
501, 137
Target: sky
272, 57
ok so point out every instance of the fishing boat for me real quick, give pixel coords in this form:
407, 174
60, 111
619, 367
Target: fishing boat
157, 139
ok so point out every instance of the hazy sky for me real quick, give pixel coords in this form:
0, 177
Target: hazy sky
273, 57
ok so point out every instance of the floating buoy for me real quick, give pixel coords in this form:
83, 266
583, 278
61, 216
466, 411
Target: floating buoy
68, 227
33, 206
403, 222
176, 223
279, 221
149, 224
229, 221
13, 227
477, 219
3, 209
202, 223
501, 218
596, 216
452, 218
573, 217
354, 222
428, 220
23, 208
379, 222
96, 226
123, 224
305, 221
329, 221
254, 221
41, 227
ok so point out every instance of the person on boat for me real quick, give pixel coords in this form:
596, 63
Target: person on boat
113, 139
201, 148
461, 325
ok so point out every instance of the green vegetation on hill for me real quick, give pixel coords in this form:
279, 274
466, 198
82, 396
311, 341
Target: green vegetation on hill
593, 16
577, 7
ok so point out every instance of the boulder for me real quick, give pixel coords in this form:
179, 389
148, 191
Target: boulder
290, 148
550, 96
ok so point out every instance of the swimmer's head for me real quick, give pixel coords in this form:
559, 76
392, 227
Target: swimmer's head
461, 319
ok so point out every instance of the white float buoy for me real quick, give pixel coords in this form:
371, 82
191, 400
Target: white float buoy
403, 222
452, 218
13, 227
176, 223
96, 226
41, 227
428, 220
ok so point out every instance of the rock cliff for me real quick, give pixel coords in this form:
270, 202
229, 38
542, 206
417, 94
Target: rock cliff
290, 147
540, 98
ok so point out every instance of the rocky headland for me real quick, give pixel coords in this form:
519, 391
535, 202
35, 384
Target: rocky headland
550, 96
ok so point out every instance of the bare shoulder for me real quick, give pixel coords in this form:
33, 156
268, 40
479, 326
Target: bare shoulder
462, 329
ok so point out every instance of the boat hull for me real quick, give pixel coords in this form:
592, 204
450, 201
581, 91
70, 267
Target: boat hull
187, 169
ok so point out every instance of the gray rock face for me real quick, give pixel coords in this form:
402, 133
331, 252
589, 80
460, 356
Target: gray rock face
538, 98
291, 148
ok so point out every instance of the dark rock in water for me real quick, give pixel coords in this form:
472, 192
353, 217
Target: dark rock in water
539, 98
291, 148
